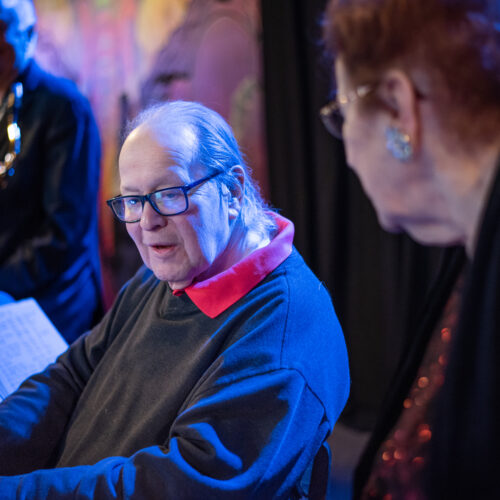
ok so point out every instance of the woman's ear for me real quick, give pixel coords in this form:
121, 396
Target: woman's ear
397, 92
236, 191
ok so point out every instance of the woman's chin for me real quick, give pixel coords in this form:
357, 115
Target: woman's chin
425, 231
435, 235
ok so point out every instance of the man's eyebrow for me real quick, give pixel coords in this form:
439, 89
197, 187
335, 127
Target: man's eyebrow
132, 191
126, 188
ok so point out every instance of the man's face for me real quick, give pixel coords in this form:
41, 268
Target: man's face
180, 248
17, 18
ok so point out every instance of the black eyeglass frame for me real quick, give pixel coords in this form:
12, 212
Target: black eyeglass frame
148, 197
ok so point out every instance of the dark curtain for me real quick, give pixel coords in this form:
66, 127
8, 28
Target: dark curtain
377, 281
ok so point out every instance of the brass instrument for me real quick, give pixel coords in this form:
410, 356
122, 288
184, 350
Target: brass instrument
14, 100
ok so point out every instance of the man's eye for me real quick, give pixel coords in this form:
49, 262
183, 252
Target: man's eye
167, 196
172, 196
131, 202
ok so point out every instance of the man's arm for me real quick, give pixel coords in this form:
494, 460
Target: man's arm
34, 419
251, 438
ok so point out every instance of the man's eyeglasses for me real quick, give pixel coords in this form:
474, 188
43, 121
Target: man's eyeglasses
168, 201
331, 114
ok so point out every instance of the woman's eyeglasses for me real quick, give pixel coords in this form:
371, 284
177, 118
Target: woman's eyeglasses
331, 114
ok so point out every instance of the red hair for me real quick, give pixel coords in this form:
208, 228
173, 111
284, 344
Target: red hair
456, 42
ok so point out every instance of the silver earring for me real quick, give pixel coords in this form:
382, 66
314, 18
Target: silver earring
398, 143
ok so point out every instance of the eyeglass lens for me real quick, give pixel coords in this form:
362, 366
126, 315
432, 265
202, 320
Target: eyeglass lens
333, 120
167, 202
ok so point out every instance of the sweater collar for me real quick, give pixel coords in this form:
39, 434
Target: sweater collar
216, 294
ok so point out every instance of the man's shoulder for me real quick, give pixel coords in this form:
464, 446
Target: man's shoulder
290, 324
299, 282
53, 88
290, 290
313, 341
294, 300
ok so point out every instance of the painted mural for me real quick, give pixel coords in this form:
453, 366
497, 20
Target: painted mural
127, 54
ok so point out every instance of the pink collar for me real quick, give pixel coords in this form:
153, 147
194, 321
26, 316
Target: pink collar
216, 294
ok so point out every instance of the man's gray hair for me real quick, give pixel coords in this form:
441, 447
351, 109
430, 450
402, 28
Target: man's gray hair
213, 146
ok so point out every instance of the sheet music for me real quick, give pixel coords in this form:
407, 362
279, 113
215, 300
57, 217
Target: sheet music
28, 343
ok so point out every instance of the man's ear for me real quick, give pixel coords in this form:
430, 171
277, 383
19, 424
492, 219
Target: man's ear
397, 92
236, 191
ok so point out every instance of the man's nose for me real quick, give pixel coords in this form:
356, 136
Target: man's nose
150, 218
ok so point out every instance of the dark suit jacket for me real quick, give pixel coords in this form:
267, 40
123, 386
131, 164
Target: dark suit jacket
48, 211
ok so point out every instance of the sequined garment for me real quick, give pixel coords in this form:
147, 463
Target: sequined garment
401, 459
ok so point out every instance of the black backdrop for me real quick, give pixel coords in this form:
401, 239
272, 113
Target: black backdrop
377, 280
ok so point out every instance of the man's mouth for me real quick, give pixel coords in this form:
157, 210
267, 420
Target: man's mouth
162, 249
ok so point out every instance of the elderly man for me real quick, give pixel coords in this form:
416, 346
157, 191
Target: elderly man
49, 180
221, 368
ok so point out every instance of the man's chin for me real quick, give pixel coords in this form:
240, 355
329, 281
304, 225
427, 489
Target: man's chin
176, 281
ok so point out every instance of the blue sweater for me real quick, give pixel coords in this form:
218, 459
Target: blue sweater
161, 401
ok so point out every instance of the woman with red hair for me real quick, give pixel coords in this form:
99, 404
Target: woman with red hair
418, 107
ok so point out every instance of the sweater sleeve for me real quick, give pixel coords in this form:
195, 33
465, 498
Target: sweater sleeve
251, 438
34, 419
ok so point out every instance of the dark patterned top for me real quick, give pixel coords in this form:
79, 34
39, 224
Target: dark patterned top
402, 457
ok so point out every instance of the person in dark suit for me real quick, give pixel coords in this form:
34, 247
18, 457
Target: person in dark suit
49, 180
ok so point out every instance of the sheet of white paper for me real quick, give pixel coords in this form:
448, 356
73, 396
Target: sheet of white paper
28, 343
